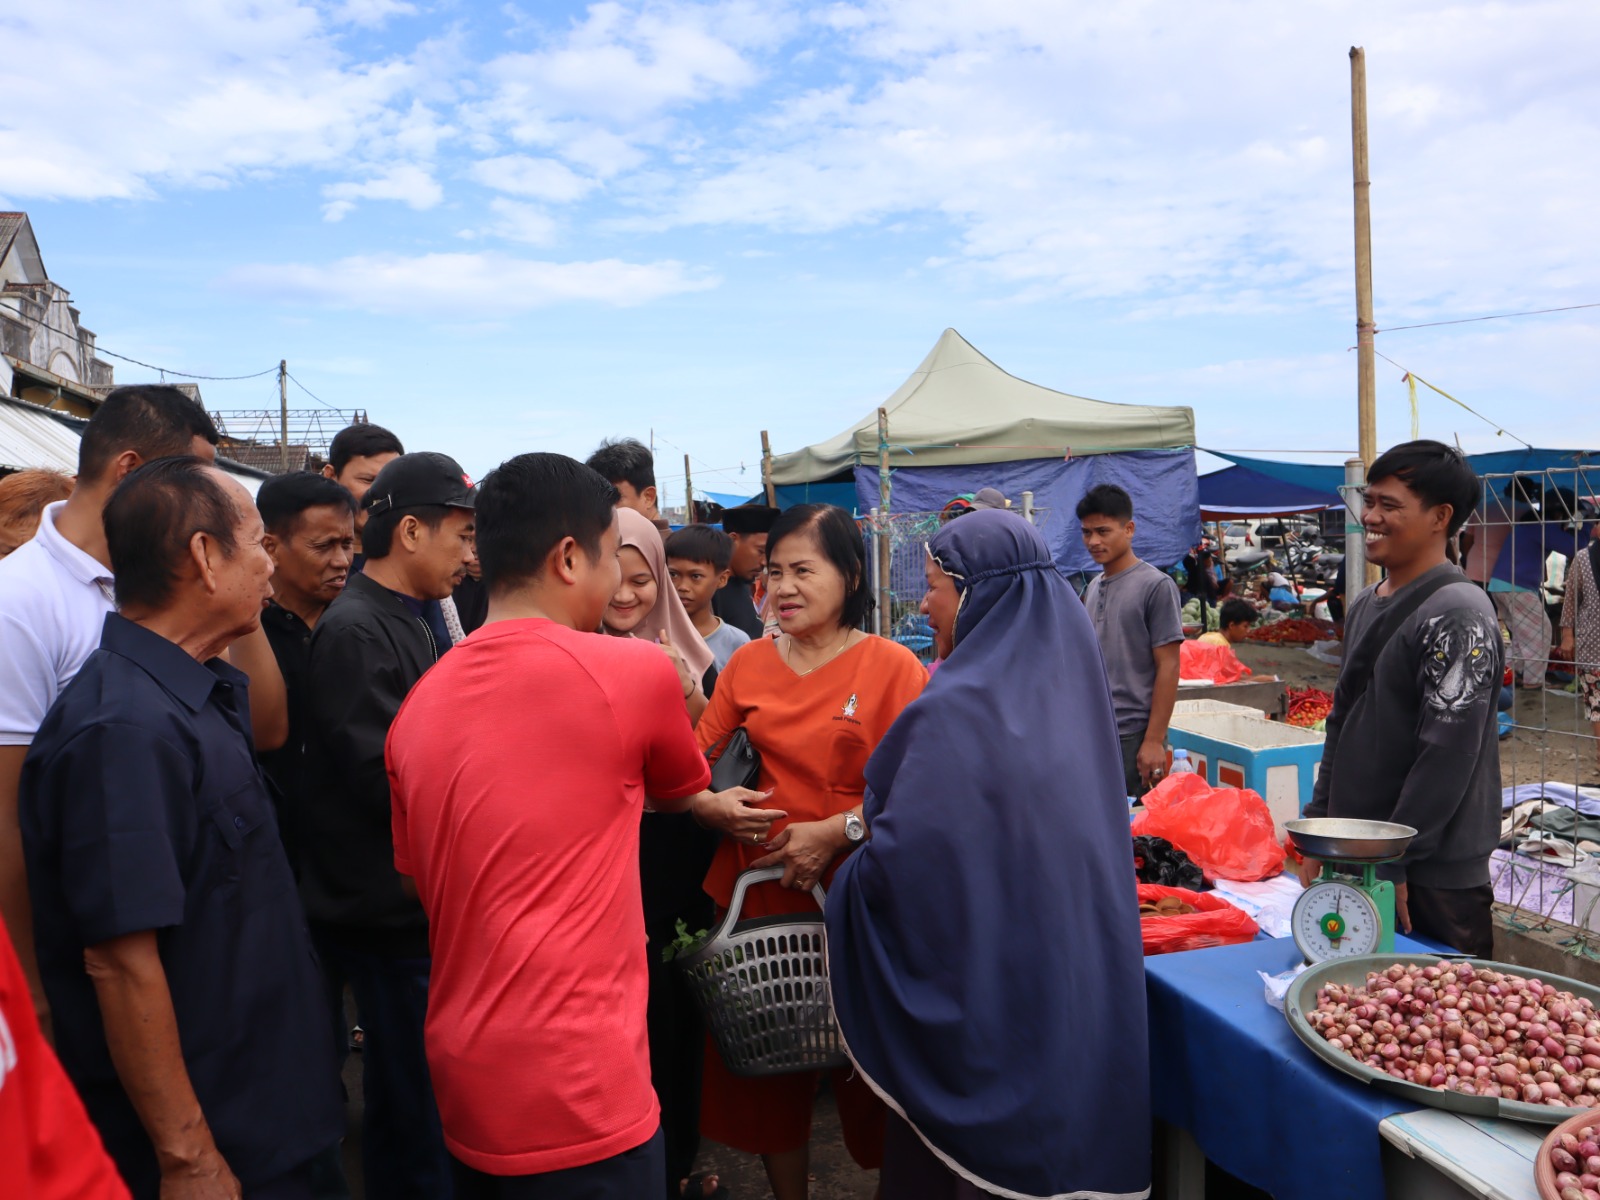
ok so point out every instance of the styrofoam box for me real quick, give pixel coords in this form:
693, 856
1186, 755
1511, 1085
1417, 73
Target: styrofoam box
1279, 762
1196, 708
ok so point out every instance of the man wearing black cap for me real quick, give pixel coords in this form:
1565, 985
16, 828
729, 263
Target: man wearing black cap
367, 652
736, 603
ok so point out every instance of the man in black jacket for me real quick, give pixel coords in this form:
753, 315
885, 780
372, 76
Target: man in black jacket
367, 652
737, 603
1418, 744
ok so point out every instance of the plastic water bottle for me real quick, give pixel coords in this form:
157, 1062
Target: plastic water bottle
1181, 764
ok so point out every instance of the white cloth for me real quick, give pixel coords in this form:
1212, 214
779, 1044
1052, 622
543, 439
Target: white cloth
53, 603
1270, 902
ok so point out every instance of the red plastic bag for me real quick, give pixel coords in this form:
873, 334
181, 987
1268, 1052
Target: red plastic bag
1218, 923
1201, 660
1227, 831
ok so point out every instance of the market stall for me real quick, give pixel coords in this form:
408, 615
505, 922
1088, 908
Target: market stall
1349, 1060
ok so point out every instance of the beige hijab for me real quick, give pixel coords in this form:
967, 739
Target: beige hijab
668, 615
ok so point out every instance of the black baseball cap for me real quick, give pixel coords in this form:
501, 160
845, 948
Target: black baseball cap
421, 480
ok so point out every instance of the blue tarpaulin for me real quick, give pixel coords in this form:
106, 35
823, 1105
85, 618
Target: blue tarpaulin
1241, 492
1162, 483
1319, 477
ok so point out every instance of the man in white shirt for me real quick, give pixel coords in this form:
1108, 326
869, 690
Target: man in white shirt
55, 592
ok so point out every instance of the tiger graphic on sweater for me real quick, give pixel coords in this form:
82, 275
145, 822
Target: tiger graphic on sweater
1460, 663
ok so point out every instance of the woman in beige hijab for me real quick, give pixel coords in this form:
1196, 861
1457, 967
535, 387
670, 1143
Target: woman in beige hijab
647, 606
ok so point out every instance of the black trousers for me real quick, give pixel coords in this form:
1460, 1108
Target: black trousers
677, 1057
632, 1175
1462, 918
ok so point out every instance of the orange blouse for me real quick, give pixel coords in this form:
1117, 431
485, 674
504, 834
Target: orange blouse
814, 732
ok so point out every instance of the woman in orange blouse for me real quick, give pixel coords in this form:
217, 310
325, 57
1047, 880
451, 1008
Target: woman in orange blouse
815, 701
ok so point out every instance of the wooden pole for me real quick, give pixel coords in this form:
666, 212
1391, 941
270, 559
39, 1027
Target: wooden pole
766, 471
885, 530
1366, 360
688, 491
283, 415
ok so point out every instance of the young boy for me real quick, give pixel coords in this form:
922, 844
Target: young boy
1135, 611
1412, 736
1236, 618
698, 562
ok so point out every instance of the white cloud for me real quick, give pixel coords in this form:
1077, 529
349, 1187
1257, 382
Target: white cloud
371, 13
536, 178
520, 222
1195, 157
142, 96
466, 284
405, 182
624, 65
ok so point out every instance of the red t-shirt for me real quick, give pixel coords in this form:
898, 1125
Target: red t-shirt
518, 769
48, 1148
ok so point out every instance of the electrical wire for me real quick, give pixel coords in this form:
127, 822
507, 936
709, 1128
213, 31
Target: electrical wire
310, 393
1532, 312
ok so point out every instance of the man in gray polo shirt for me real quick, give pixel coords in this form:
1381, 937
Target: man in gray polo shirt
1137, 615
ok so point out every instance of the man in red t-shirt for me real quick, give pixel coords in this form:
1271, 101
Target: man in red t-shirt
519, 767
48, 1148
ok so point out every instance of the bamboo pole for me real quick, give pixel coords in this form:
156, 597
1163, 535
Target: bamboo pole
766, 471
1366, 360
885, 531
688, 491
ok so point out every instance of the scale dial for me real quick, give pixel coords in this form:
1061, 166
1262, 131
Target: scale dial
1335, 920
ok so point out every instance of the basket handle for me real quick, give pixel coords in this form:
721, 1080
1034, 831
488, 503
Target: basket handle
760, 875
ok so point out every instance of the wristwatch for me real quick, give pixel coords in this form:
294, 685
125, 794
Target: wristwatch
855, 829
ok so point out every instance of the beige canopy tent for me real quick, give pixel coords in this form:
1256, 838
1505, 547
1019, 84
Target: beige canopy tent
959, 408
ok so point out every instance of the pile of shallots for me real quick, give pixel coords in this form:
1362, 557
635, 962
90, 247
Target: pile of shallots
1480, 1033
1576, 1159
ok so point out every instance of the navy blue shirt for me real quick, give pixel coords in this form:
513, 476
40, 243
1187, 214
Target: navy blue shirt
142, 808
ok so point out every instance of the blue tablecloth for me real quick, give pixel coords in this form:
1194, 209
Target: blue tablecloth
1225, 1066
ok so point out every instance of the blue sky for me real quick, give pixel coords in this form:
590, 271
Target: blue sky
501, 227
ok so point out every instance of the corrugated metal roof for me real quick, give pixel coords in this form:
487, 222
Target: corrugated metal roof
10, 222
32, 437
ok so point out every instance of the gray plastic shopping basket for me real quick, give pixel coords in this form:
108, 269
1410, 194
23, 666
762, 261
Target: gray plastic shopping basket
763, 987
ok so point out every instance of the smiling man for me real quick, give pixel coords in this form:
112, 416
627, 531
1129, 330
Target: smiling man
1412, 737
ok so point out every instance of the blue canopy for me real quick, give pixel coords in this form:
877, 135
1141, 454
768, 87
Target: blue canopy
1241, 492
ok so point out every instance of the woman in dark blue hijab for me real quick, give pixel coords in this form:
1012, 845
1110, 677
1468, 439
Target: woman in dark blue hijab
983, 945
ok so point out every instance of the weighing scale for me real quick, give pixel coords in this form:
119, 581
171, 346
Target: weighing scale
1348, 911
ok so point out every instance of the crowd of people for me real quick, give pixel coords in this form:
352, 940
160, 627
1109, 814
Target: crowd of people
384, 747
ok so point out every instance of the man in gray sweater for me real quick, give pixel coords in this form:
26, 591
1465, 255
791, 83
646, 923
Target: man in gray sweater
1415, 740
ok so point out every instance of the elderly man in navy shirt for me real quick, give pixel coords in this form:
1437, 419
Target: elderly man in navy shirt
171, 941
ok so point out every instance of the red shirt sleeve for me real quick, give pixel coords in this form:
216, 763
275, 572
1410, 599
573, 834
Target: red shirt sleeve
399, 830
674, 766
51, 1151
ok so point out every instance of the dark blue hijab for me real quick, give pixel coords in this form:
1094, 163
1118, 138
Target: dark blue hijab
984, 944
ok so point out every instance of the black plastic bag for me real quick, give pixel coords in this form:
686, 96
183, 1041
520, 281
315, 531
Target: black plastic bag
1156, 860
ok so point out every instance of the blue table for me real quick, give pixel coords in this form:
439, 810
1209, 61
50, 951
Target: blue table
1226, 1067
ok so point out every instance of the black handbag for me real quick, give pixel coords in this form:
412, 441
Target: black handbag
738, 765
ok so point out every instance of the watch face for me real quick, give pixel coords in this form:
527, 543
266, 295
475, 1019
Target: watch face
854, 829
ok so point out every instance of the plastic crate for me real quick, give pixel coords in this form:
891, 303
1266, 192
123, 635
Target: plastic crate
1278, 762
